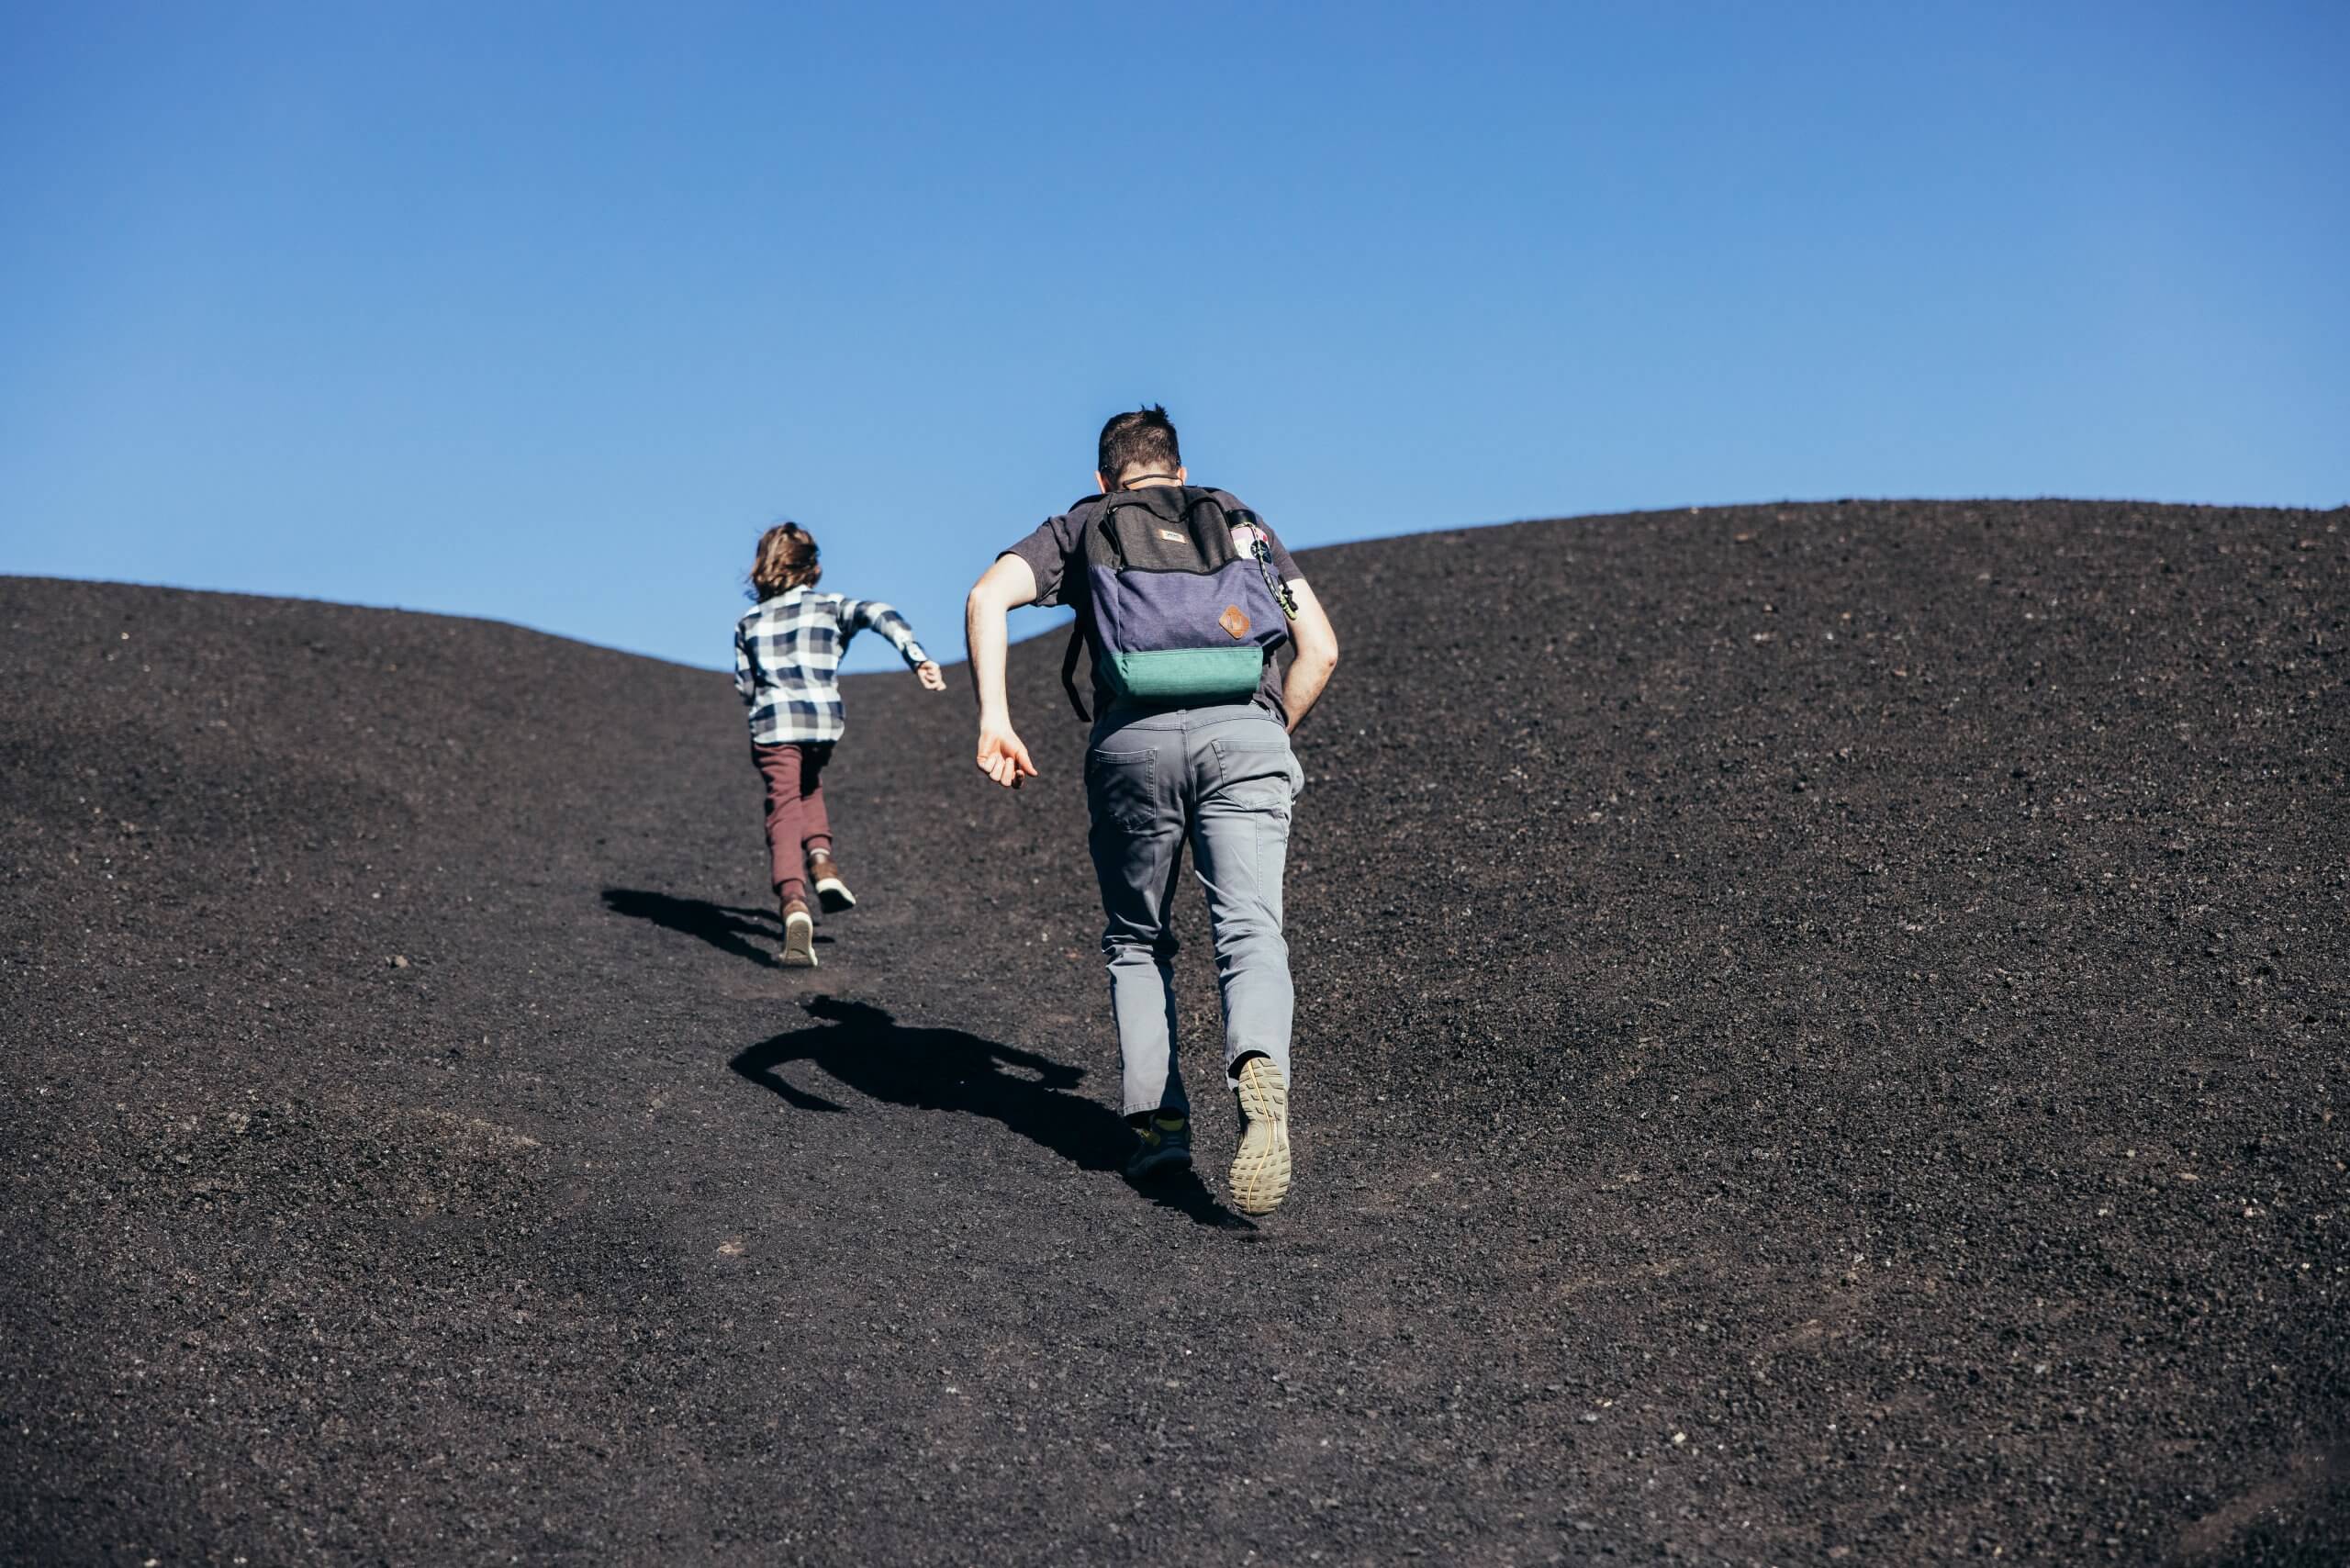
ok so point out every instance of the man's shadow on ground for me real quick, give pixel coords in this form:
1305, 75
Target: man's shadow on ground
752, 933
947, 1069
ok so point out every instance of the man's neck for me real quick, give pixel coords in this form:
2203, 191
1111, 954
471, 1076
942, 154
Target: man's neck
1148, 481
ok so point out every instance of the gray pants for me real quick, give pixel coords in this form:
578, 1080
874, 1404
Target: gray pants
1224, 779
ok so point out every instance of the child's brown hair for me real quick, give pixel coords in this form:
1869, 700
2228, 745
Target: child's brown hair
786, 560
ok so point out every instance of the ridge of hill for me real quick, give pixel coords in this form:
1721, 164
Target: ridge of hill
1821, 1035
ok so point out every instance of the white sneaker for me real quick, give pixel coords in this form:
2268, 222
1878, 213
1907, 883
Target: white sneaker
830, 891
799, 936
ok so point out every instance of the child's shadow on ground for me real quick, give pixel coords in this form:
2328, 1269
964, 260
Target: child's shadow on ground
947, 1069
725, 927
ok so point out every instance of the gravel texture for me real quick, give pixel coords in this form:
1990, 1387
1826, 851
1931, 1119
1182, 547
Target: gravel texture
1822, 1038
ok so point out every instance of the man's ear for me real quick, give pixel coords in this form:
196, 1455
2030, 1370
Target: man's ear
1099, 483
1182, 475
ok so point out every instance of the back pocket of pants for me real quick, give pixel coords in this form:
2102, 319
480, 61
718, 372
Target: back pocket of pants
1259, 774
1121, 788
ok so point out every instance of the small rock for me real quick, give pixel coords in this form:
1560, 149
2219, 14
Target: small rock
398, 962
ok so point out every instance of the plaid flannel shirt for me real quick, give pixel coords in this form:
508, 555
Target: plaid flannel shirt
788, 653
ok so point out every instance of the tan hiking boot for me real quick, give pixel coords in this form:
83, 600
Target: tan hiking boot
798, 934
1260, 1165
831, 893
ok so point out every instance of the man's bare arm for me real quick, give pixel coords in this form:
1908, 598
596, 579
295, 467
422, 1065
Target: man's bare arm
1315, 655
1000, 589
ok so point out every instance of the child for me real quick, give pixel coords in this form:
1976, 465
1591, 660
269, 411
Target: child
786, 653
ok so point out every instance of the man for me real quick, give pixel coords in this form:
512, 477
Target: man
1163, 768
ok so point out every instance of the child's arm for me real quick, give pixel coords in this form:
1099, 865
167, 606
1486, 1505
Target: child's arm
742, 682
884, 619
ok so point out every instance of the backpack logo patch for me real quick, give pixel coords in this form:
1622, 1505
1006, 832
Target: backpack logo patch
1235, 621
1172, 537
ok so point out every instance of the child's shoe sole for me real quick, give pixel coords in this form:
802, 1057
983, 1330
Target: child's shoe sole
1261, 1167
799, 942
834, 895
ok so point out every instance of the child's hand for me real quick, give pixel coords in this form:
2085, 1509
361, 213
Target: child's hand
933, 678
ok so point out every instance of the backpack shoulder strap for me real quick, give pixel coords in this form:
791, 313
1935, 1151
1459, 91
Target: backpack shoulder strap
1094, 508
1069, 655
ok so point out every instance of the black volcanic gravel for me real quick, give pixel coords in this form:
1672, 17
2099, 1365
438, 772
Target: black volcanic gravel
1822, 1038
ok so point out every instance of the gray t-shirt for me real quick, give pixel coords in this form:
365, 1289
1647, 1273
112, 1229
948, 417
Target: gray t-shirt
1054, 554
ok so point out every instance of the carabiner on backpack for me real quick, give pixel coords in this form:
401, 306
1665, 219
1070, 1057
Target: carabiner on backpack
1282, 595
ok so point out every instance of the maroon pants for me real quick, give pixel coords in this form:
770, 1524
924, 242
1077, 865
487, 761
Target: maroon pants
796, 824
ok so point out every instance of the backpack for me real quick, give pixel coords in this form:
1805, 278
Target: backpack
1183, 607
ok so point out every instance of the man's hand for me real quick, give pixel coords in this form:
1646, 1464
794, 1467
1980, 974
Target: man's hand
1003, 758
933, 678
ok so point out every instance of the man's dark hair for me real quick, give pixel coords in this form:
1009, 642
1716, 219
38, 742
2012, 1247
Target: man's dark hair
1144, 439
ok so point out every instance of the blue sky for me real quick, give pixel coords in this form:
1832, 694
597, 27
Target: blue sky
542, 312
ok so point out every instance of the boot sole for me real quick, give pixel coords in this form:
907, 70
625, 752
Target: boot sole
832, 894
1260, 1169
799, 943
